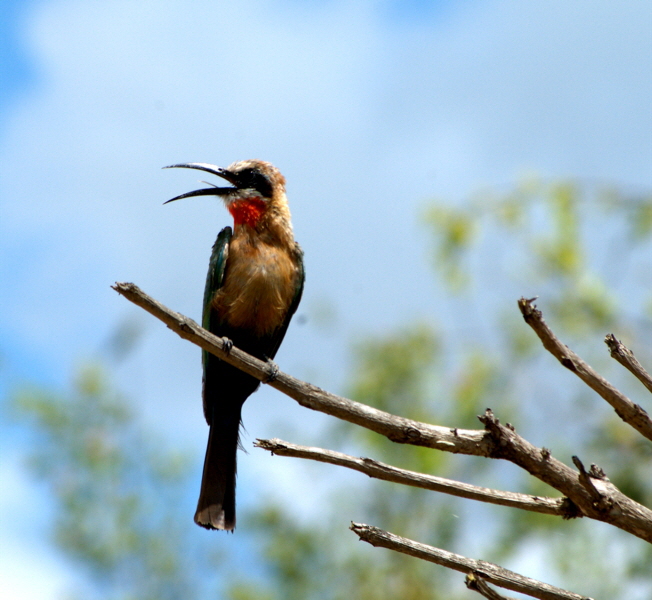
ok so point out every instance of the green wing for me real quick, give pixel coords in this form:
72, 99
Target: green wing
214, 281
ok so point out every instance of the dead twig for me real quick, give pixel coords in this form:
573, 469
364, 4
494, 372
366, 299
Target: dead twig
474, 582
628, 411
626, 357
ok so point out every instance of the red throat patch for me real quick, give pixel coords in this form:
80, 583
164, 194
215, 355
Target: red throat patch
247, 211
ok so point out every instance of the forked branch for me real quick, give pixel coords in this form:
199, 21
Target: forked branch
496, 441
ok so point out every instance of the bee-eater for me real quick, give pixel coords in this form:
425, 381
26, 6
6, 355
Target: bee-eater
254, 285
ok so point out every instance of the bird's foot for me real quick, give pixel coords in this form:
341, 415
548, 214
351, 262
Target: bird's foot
227, 344
272, 371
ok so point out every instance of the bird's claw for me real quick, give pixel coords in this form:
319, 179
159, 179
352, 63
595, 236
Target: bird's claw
227, 344
272, 371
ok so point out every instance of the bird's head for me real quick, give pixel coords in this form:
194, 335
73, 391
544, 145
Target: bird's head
256, 188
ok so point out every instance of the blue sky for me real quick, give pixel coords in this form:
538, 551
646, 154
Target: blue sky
369, 108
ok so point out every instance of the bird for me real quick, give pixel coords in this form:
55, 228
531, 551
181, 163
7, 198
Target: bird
253, 287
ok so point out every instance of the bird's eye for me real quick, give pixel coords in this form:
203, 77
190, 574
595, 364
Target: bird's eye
253, 178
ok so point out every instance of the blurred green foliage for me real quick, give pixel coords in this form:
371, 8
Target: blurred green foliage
116, 490
584, 251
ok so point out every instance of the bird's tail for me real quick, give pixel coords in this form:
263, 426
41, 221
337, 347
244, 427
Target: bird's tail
216, 505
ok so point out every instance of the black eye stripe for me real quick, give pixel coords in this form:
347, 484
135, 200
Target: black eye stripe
253, 178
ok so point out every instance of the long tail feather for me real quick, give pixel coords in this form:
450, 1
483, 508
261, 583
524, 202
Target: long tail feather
216, 505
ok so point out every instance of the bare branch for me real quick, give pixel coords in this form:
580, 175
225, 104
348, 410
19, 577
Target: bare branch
488, 571
496, 441
628, 411
626, 358
397, 429
549, 506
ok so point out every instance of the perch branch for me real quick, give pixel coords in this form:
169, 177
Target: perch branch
397, 429
628, 411
487, 571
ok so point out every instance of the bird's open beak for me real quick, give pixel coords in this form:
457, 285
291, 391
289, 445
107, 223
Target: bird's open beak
211, 191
